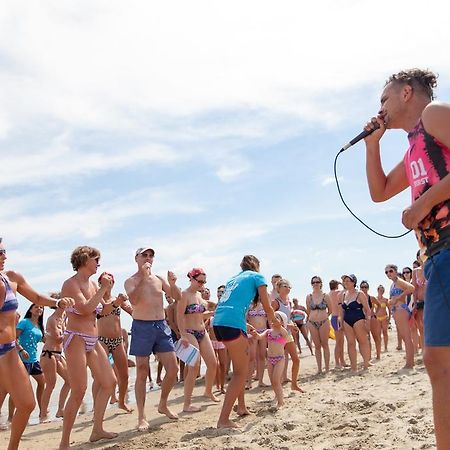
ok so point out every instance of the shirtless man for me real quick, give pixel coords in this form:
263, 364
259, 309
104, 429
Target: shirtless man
150, 332
339, 362
274, 293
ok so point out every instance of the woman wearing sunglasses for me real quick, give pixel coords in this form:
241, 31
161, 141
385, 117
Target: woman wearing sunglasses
354, 317
191, 314
397, 303
318, 308
14, 378
81, 346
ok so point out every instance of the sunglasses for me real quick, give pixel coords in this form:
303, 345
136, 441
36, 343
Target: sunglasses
364, 287
200, 281
2, 252
389, 271
316, 282
406, 271
147, 255
285, 286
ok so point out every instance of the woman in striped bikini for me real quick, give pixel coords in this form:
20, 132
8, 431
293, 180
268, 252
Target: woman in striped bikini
81, 346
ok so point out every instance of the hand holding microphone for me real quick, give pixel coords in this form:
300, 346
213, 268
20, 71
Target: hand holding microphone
376, 123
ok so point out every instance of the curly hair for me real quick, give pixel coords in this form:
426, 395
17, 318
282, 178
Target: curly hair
81, 255
422, 80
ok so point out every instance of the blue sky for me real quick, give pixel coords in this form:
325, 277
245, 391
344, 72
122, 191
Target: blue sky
206, 129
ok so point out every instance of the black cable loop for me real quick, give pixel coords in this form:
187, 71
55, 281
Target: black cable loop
354, 215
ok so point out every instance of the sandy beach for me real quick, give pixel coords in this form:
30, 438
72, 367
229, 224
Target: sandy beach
382, 408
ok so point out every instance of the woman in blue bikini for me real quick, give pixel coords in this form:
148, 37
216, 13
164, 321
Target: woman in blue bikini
14, 378
398, 293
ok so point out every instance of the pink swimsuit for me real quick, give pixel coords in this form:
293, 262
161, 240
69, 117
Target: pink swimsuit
278, 339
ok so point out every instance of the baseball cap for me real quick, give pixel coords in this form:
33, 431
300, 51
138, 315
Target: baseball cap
351, 276
144, 249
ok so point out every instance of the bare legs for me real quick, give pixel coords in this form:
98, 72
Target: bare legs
320, 339
357, 333
238, 353
402, 323
15, 380
437, 362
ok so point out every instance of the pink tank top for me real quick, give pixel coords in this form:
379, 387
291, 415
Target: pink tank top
427, 161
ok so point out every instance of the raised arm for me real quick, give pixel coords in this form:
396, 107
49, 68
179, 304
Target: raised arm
30, 294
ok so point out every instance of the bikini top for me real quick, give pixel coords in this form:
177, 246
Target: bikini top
74, 310
353, 305
322, 306
115, 312
395, 291
257, 313
278, 339
195, 308
10, 303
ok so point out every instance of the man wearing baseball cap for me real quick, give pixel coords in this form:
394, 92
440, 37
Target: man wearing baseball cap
150, 332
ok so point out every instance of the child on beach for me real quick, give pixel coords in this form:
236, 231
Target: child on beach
276, 340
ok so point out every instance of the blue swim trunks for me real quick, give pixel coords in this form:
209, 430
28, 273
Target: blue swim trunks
436, 314
150, 336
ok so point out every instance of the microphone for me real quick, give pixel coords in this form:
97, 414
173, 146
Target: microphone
360, 136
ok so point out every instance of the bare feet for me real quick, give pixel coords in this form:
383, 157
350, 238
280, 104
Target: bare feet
125, 407
223, 391
97, 436
228, 424
243, 412
191, 408
296, 387
167, 412
143, 425
44, 419
59, 413
263, 385
212, 397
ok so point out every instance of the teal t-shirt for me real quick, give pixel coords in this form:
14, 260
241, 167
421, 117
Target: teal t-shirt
29, 338
235, 301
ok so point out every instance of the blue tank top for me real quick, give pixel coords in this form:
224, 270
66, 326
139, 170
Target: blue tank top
235, 301
10, 303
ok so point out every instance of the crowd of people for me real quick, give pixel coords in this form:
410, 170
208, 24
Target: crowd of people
249, 329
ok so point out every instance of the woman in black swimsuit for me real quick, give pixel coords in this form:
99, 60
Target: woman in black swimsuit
354, 317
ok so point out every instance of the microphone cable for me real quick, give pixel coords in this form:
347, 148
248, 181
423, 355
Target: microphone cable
353, 214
